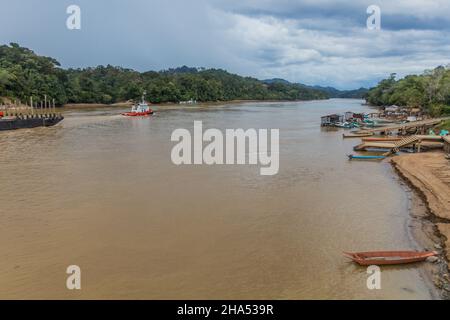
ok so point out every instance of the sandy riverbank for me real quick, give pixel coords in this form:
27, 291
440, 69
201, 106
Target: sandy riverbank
429, 175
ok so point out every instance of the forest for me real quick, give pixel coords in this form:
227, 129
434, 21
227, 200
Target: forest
24, 74
429, 91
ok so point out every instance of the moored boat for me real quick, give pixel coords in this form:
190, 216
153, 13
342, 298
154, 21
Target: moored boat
358, 157
346, 125
388, 257
357, 135
29, 121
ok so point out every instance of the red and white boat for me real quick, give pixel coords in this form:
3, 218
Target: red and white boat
140, 109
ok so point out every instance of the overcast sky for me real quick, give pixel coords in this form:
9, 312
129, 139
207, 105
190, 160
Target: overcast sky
320, 42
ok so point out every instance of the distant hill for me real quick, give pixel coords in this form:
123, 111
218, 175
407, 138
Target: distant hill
329, 91
335, 93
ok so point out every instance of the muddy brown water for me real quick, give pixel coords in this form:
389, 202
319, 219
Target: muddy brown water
100, 191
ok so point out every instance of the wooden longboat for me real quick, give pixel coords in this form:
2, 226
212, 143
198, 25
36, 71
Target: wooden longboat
357, 135
388, 257
358, 157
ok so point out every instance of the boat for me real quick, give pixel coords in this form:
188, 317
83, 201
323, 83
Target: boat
358, 157
29, 121
140, 109
375, 139
357, 135
388, 257
346, 125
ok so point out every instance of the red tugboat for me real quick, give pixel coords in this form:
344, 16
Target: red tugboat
141, 109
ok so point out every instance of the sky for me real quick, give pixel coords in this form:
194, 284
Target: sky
315, 42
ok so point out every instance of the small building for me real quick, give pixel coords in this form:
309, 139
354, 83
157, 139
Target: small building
348, 115
392, 108
331, 119
415, 111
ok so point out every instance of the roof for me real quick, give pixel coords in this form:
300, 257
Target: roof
332, 115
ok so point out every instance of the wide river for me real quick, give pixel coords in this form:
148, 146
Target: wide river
100, 191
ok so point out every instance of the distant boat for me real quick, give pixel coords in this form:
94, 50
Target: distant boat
388, 257
357, 157
140, 109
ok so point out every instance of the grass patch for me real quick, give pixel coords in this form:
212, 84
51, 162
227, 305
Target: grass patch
444, 125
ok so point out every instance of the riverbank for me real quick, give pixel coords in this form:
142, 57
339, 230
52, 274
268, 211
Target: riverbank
127, 104
429, 176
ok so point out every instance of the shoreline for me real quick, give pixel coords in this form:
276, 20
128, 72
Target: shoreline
424, 176
167, 104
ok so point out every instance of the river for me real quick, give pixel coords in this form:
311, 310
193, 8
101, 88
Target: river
100, 191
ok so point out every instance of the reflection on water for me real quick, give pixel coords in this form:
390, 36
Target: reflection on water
100, 191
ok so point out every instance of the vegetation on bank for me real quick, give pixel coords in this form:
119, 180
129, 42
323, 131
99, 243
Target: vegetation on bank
445, 125
429, 91
24, 74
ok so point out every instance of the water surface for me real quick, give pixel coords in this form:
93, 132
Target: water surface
100, 191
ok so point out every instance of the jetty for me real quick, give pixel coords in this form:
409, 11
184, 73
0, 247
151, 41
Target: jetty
394, 146
420, 127
19, 116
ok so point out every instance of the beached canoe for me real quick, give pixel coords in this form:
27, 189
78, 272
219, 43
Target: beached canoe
388, 257
358, 157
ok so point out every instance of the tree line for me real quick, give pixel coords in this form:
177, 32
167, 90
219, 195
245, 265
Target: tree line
24, 74
429, 91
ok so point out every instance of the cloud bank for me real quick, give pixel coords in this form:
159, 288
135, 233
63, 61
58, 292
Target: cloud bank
310, 41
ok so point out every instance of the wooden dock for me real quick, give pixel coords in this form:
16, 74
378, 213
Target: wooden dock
395, 146
420, 126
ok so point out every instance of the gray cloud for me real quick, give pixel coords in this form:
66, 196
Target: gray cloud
311, 41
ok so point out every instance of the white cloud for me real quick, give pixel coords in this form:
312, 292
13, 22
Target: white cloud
282, 47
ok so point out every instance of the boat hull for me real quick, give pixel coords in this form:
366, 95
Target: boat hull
356, 135
388, 257
355, 157
138, 114
30, 122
